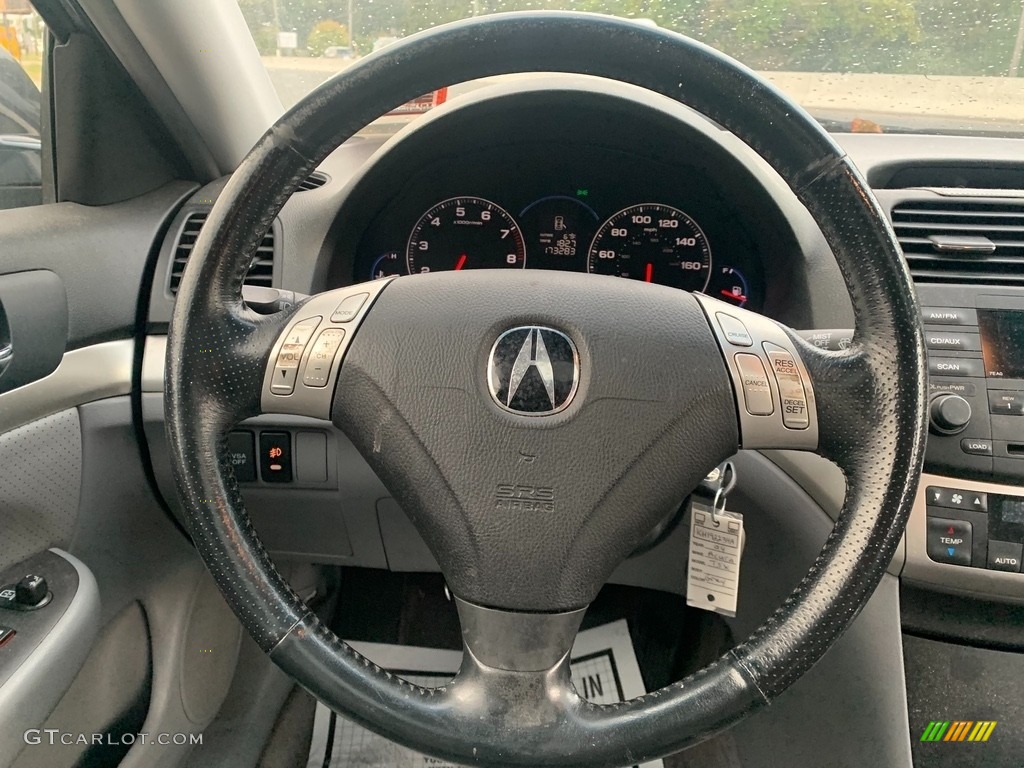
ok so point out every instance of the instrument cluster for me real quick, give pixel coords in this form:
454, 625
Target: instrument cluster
660, 225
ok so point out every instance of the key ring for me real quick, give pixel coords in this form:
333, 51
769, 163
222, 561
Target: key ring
726, 483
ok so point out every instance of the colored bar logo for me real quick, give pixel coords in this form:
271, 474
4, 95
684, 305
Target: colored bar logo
958, 730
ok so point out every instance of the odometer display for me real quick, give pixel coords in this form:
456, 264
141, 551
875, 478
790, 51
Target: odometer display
655, 243
465, 233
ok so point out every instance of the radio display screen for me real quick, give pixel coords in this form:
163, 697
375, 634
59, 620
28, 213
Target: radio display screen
1002, 342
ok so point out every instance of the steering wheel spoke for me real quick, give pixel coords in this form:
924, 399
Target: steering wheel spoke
302, 368
775, 393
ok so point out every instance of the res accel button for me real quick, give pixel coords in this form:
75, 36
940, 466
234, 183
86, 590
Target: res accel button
791, 387
321, 357
949, 541
757, 392
734, 330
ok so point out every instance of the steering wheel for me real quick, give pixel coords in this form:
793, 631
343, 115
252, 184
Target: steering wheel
535, 427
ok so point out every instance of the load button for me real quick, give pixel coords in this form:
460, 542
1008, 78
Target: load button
791, 387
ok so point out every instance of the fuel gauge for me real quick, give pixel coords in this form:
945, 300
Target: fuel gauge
729, 284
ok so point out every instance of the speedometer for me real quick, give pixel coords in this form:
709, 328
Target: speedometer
465, 233
655, 243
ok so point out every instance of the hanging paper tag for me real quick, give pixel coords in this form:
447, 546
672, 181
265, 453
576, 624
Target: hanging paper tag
716, 545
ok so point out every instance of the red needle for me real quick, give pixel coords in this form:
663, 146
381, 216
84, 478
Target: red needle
731, 295
461, 262
649, 273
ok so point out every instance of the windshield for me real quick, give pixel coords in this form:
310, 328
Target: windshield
929, 66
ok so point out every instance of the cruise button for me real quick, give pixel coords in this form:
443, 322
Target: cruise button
735, 332
757, 392
949, 541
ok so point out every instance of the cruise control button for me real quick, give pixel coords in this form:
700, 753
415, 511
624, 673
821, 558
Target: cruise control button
791, 387
1006, 402
1004, 556
321, 357
955, 366
349, 308
757, 392
976, 446
735, 332
949, 541
962, 342
949, 316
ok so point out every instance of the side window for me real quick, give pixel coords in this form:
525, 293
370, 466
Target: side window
22, 38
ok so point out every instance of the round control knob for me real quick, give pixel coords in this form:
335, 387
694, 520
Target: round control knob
950, 414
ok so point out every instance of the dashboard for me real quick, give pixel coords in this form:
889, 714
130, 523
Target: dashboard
563, 188
591, 209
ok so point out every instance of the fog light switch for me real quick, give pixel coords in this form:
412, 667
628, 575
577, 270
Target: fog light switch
276, 457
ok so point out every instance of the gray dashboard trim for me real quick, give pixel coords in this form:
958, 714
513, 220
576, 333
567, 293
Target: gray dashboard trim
86, 374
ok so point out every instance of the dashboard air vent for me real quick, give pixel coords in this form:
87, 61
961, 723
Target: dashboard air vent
261, 271
947, 241
315, 180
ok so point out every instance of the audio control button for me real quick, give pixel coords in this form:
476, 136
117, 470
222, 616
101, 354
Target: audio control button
953, 340
976, 446
949, 316
1006, 402
956, 366
949, 414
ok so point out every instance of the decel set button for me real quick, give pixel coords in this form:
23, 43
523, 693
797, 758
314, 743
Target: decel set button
791, 387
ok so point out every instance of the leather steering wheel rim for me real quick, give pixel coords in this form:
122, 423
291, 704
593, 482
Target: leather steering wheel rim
871, 401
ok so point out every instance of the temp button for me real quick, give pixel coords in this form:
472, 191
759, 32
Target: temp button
949, 541
757, 392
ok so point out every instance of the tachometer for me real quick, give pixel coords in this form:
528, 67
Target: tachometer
465, 233
655, 243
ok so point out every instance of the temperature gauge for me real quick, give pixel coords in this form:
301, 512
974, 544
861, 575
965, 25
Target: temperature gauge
387, 265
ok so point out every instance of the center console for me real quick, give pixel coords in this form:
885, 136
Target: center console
967, 529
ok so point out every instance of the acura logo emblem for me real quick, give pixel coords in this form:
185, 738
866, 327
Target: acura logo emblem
533, 370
